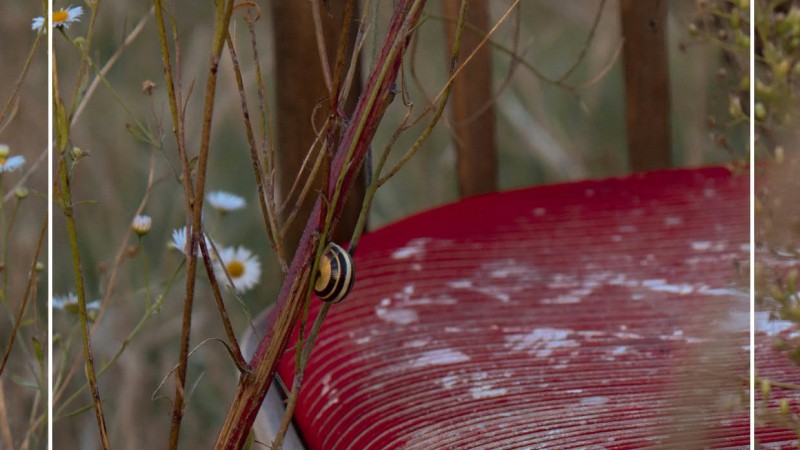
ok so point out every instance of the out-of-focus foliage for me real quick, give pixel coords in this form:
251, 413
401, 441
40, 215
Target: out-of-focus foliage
777, 209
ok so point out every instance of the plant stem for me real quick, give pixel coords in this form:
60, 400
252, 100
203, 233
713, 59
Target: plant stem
346, 163
222, 19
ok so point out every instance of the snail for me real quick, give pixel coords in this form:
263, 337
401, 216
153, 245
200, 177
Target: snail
336, 274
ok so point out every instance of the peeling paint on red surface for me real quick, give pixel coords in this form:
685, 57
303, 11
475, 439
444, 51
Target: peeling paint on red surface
550, 317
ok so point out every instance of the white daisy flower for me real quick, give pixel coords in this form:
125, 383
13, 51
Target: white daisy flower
95, 305
61, 18
225, 201
179, 242
9, 164
242, 266
142, 224
68, 303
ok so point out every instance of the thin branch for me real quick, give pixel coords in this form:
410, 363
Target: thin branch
585, 47
11, 103
109, 64
28, 288
268, 151
222, 20
266, 214
236, 352
323, 54
304, 356
344, 38
5, 428
61, 193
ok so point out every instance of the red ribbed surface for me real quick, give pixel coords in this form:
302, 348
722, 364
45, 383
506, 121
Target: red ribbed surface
550, 317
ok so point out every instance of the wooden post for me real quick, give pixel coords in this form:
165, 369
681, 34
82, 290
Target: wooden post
646, 83
299, 90
472, 112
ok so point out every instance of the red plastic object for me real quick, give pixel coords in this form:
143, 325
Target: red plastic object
560, 316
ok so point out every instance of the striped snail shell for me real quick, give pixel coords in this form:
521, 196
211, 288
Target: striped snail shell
335, 276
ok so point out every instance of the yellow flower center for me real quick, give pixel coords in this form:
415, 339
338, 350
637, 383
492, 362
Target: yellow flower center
60, 16
235, 269
3, 160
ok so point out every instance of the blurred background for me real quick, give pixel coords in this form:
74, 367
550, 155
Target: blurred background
545, 133
23, 382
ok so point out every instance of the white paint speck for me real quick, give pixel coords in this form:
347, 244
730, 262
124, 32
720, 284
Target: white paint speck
701, 245
539, 212
438, 300
672, 221
621, 280
485, 391
563, 281
623, 335
681, 289
399, 316
561, 300
496, 292
416, 343
508, 268
771, 327
723, 292
589, 401
407, 252
414, 248
661, 285
541, 341
678, 335
438, 357
449, 381
460, 284
589, 334
655, 282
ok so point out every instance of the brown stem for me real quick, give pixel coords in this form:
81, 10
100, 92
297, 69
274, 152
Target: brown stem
235, 351
222, 19
474, 134
5, 428
323, 53
31, 285
302, 360
344, 41
61, 194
